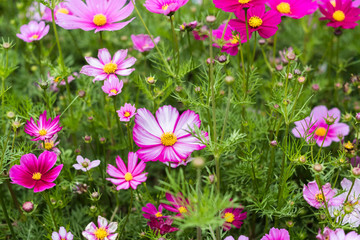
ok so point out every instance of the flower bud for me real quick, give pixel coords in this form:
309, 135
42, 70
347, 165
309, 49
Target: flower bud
330, 120
88, 139
317, 167
279, 67
102, 140
291, 55
6, 45
16, 124
95, 195
302, 159
178, 88
337, 32
229, 80
53, 201
357, 117
93, 209
208, 61
290, 223
150, 80
356, 171
44, 85
348, 209
210, 19
28, 206
273, 143
347, 117
90, 118
290, 76
161, 238
81, 94
211, 178
222, 92
338, 85
78, 151
315, 87
336, 213
198, 162
297, 72
222, 59
301, 79
10, 115
197, 89
262, 42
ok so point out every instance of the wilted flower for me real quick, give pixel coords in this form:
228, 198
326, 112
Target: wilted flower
33, 31
85, 164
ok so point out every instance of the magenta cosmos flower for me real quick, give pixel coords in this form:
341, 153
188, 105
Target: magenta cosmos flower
265, 23
233, 216
50, 145
125, 177
101, 15
277, 234
85, 164
126, 112
315, 127
242, 237
231, 41
143, 42
180, 205
167, 137
324, 235
342, 14
161, 225
44, 129
293, 8
36, 173
103, 231
315, 198
150, 210
112, 86
33, 31
166, 7
62, 235
237, 5
104, 67
61, 8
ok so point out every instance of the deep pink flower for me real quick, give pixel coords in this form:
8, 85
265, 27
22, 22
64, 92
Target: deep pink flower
231, 41
103, 231
126, 112
150, 210
43, 129
343, 14
50, 145
242, 237
233, 216
143, 42
315, 127
36, 173
62, 235
202, 34
101, 15
325, 235
180, 205
167, 137
293, 8
166, 7
85, 164
161, 225
33, 31
277, 234
315, 198
112, 86
125, 177
265, 23
61, 8
104, 67
237, 5
189, 26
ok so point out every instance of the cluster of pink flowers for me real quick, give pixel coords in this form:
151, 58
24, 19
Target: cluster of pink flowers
338, 234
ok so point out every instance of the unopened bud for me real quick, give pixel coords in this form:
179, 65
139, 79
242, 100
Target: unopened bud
279, 67
273, 143
337, 32
290, 223
262, 42
348, 209
301, 79
77, 151
330, 120
16, 124
356, 171
222, 59
88, 139
197, 89
347, 117
90, 118
93, 208
297, 71
291, 55
336, 213
150, 80
317, 167
44, 85
302, 159
95, 195
81, 94
212, 178
6, 45
210, 19
10, 115
102, 140
315, 87
208, 61
198, 162
28, 206
357, 117
178, 88
229, 80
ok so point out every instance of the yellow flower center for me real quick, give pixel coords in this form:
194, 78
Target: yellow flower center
99, 19
349, 145
128, 177
36, 176
229, 217
101, 233
165, 7
244, 1
49, 145
126, 114
58, 79
235, 39
319, 197
255, 22
110, 68
114, 91
85, 164
158, 214
283, 7
339, 16
62, 10
320, 132
35, 36
182, 210
168, 139
42, 132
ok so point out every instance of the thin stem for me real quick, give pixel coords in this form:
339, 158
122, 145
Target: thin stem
248, 49
127, 216
47, 200
274, 48
3, 206
287, 79
266, 60
117, 118
254, 51
13, 196
198, 188
322, 192
226, 113
176, 45
129, 137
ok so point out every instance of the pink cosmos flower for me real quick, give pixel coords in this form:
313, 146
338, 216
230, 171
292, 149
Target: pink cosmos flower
242, 237
166, 7
126, 112
339, 234
61, 8
237, 5
62, 235
85, 164
180, 205
44, 129
167, 137
104, 67
202, 34
125, 177
343, 14
184, 162
35, 11
143, 42
35, 173
33, 31
315, 127
50, 145
161, 225
103, 231
101, 15
233, 216
325, 235
112, 86
265, 23
293, 8
55, 82
150, 210
277, 234
231, 40
315, 198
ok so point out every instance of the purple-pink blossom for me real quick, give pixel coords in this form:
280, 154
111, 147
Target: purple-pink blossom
126, 112
62, 235
33, 31
61, 8
166, 7
143, 42
233, 217
316, 198
103, 230
150, 210
179, 204
293, 8
277, 234
230, 42
112, 86
237, 5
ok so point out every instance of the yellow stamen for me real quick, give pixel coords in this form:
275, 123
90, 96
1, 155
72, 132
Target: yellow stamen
114, 91
319, 197
58, 79
62, 10
42, 132
255, 22
126, 114
158, 214
110, 68
165, 7
35, 36
168, 139
235, 39
128, 176
321, 132
182, 210
49, 145
229, 217
244, 1
283, 7
99, 19
101, 233
349, 145
339, 16
85, 164
36, 176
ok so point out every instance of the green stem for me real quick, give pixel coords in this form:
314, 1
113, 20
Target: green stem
176, 45
198, 187
274, 48
127, 216
130, 137
3, 206
226, 114
51, 210
249, 54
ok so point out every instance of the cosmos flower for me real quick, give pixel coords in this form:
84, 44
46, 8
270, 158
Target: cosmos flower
126, 112
315, 198
85, 164
293, 8
237, 5
166, 7
178, 205
231, 41
112, 86
104, 67
166, 138
35, 172
233, 216
339, 234
315, 126
61, 8
125, 177
242, 237
143, 42
277, 234
50, 144
101, 15
201, 34
184, 162
265, 23
35, 11
43, 129
161, 225
324, 235
341, 14
103, 231
62, 235
189, 26
59, 81
33, 31
150, 210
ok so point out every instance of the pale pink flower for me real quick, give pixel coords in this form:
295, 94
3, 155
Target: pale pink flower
112, 86
143, 42
104, 230
126, 112
313, 195
33, 31
62, 235
85, 164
